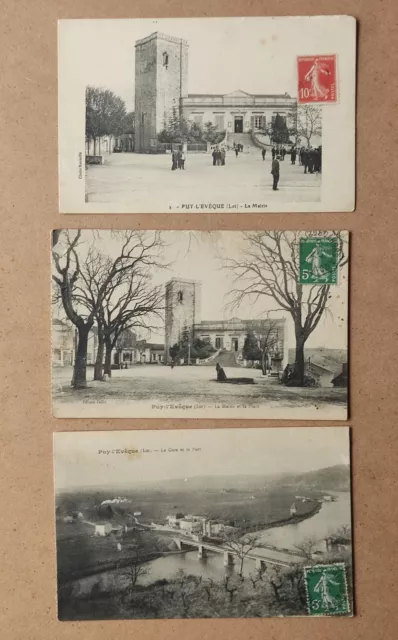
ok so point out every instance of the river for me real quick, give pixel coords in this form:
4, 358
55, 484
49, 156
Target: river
331, 516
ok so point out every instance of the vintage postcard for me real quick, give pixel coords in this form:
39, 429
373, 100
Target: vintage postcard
193, 324
207, 114
225, 523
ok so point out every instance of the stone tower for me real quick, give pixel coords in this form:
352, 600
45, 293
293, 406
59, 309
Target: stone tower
161, 80
183, 302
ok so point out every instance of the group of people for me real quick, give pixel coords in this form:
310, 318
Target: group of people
177, 159
218, 156
310, 158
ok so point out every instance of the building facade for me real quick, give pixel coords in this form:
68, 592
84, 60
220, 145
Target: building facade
161, 89
237, 112
183, 315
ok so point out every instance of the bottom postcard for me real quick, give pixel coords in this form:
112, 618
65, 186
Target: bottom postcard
224, 523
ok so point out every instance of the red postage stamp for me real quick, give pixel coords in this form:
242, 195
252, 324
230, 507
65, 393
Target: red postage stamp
316, 79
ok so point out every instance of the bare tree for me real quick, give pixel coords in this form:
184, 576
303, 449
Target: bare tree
307, 547
268, 340
305, 121
269, 268
241, 545
114, 291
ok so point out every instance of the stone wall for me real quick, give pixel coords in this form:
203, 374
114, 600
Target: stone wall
183, 302
161, 78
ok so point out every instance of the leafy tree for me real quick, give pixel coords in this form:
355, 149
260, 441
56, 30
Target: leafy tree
105, 113
279, 132
251, 349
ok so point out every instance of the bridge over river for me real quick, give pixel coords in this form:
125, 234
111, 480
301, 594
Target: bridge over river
262, 556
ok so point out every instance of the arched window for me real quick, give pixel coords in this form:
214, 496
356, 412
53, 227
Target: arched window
180, 296
165, 59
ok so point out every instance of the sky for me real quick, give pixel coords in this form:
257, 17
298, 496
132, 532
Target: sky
255, 55
79, 463
198, 255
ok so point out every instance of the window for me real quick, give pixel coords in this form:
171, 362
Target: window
219, 121
165, 59
259, 122
180, 296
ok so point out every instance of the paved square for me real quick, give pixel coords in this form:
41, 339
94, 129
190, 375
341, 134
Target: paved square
130, 178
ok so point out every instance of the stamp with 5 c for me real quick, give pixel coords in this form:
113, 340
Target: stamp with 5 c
318, 260
326, 588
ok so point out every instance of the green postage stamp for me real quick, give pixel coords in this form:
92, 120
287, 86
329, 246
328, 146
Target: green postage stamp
318, 260
326, 587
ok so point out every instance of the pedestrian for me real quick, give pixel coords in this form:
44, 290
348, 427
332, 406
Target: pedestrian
301, 156
275, 172
214, 154
174, 160
293, 155
182, 160
236, 151
221, 377
263, 153
305, 160
311, 160
223, 154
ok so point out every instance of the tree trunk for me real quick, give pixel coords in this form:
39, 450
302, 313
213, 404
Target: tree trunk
299, 362
95, 146
79, 380
108, 358
98, 367
264, 362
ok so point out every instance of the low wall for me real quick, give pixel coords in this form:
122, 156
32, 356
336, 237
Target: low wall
94, 160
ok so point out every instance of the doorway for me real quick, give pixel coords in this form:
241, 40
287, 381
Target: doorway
238, 124
235, 344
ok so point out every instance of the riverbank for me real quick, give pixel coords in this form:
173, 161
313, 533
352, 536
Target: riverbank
299, 517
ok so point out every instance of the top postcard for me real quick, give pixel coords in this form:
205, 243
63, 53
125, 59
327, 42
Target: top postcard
207, 115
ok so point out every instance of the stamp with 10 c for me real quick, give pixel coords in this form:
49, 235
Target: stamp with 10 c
326, 588
316, 76
318, 260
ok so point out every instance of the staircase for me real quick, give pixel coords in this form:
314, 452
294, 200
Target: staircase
241, 138
225, 359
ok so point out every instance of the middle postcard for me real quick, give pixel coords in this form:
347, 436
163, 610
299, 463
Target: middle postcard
200, 324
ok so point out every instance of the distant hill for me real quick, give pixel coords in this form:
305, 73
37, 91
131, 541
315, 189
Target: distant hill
332, 359
336, 478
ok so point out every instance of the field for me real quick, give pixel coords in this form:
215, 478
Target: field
80, 553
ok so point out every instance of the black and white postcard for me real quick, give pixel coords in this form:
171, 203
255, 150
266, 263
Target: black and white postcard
217, 324
207, 114
203, 523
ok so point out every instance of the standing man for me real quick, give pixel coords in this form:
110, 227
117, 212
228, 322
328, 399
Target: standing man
182, 159
223, 156
263, 153
236, 151
214, 154
293, 155
174, 159
275, 172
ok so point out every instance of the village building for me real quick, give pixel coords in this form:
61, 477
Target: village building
293, 510
161, 89
102, 529
183, 312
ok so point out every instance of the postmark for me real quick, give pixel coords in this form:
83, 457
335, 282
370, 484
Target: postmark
316, 76
318, 260
326, 588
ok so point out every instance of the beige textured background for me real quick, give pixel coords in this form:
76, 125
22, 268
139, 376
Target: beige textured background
28, 202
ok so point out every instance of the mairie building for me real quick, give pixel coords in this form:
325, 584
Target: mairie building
183, 312
161, 86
